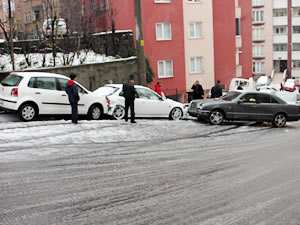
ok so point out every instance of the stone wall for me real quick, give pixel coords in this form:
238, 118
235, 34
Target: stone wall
93, 76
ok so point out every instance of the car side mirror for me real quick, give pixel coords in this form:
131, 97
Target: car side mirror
239, 101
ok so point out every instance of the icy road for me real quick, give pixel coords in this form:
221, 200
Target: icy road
153, 172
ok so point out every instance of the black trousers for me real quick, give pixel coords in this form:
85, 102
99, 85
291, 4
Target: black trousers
129, 103
74, 107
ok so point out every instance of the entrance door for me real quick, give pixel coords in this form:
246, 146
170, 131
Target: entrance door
283, 65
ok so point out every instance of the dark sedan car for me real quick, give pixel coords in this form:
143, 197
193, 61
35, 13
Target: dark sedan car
245, 106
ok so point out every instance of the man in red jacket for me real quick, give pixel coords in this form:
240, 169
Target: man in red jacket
72, 91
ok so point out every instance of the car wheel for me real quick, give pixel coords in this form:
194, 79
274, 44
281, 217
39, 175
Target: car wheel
176, 114
95, 112
119, 112
27, 112
279, 120
216, 117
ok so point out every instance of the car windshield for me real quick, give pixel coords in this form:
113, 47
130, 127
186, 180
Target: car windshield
11, 80
230, 96
107, 90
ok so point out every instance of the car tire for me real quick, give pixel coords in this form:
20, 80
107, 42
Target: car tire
119, 112
27, 112
216, 117
95, 112
279, 120
176, 114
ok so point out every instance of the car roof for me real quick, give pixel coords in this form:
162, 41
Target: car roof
121, 85
40, 74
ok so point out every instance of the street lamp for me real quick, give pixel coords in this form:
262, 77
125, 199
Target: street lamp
11, 36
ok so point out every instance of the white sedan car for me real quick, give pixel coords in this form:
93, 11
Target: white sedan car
30, 94
147, 103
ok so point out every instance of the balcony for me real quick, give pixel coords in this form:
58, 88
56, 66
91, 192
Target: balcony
296, 20
258, 39
295, 3
280, 21
238, 41
280, 4
257, 23
280, 39
296, 38
295, 55
258, 56
280, 55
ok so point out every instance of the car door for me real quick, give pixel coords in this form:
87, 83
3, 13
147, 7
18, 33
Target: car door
265, 107
83, 103
149, 103
245, 108
63, 101
44, 90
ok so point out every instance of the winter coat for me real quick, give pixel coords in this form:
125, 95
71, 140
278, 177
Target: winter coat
72, 91
216, 91
129, 91
158, 89
198, 91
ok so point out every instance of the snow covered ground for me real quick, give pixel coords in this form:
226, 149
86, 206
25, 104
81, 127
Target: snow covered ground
153, 172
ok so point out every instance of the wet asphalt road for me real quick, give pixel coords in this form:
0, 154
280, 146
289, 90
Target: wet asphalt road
153, 172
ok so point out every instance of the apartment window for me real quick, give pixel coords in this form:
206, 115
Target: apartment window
27, 18
296, 47
196, 65
296, 64
258, 16
37, 14
162, 1
165, 68
193, 0
237, 26
280, 30
163, 31
296, 29
258, 67
258, 34
279, 12
280, 47
257, 2
258, 51
195, 30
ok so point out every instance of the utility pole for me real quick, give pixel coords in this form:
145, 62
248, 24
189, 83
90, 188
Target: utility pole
11, 36
289, 61
140, 42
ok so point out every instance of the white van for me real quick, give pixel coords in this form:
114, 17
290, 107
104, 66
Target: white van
249, 84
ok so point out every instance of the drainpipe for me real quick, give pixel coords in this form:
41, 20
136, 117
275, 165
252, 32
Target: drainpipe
289, 64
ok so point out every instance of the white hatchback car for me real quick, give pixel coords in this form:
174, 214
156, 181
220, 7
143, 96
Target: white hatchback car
35, 93
147, 103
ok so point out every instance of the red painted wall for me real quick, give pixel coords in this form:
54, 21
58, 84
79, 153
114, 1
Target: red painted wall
246, 32
153, 13
224, 40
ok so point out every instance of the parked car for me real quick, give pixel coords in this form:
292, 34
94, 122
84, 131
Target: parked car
147, 103
60, 27
30, 94
263, 81
289, 85
248, 84
245, 106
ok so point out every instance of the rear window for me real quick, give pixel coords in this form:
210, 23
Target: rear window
11, 80
106, 91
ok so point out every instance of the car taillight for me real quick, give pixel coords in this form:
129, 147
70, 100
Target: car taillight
14, 92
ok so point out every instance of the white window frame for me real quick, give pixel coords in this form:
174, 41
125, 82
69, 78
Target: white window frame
258, 34
194, 24
258, 16
258, 67
258, 50
194, 1
195, 67
163, 38
164, 74
28, 18
162, 1
257, 3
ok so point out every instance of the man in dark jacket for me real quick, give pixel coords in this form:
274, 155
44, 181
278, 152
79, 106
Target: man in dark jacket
129, 95
198, 91
72, 91
216, 91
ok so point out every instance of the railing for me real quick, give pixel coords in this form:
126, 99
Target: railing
272, 75
284, 74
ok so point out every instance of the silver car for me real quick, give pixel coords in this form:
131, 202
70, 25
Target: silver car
245, 106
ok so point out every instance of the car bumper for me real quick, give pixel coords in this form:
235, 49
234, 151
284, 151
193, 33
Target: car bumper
203, 114
8, 105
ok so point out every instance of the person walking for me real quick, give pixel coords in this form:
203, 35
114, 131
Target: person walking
216, 91
129, 95
158, 88
198, 91
72, 92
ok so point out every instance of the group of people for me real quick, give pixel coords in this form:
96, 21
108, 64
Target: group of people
129, 95
198, 92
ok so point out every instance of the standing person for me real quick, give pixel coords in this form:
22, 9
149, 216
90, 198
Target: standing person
198, 91
72, 91
216, 91
158, 88
240, 87
129, 95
